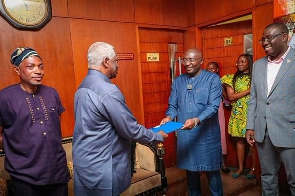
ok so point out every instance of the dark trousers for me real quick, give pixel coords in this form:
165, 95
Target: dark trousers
22, 188
133, 146
194, 183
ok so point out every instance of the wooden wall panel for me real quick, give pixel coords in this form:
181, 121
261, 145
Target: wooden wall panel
162, 12
146, 36
220, 11
7, 46
213, 42
190, 14
190, 38
110, 10
199, 38
156, 47
262, 16
123, 37
55, 50
262, 2
59, 8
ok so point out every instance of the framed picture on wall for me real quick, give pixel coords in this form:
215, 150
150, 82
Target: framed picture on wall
284, 11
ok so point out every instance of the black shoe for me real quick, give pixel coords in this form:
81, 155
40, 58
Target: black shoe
225, 170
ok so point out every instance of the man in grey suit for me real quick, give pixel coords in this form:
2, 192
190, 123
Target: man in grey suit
271, 111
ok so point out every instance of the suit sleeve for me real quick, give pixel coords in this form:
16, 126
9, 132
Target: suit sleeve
253, 101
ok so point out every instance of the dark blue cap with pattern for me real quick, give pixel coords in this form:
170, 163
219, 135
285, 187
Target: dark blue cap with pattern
21, 54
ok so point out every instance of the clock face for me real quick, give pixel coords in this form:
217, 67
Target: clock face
26, 13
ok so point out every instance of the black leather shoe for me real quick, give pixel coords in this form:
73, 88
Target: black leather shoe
225, 170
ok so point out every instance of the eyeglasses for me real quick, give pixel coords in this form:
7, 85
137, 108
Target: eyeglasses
269, 38
241, 62
191, 60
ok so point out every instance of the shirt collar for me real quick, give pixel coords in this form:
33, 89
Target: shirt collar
101, 75
281, 59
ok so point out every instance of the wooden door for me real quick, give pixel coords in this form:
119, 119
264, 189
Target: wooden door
226, 56
156, 79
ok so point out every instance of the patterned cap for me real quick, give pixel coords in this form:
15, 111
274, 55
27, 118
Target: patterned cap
21, 54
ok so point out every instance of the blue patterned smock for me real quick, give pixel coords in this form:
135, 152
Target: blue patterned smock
198, 149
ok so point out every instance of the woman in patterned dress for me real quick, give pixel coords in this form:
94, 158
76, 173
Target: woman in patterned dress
238, 90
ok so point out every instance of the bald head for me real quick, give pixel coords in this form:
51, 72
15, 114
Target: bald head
194, 51
278, 25
192, 61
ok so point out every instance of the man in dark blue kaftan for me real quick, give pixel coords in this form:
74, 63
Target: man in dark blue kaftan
194, 100
30, 130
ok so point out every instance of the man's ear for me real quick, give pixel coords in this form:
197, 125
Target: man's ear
16, 69
105, 62
202, 61
286, 37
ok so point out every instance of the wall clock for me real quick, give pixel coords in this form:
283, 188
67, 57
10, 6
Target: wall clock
26, 14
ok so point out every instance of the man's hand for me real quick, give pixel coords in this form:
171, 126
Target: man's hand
190, 123
165, 120
164, 135
250, 137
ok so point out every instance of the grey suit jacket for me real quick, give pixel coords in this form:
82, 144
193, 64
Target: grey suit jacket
276, 112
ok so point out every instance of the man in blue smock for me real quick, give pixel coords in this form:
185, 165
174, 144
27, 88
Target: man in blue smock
104, 129
194, 100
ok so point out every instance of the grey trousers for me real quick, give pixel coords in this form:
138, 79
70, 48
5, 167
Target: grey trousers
270, 158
